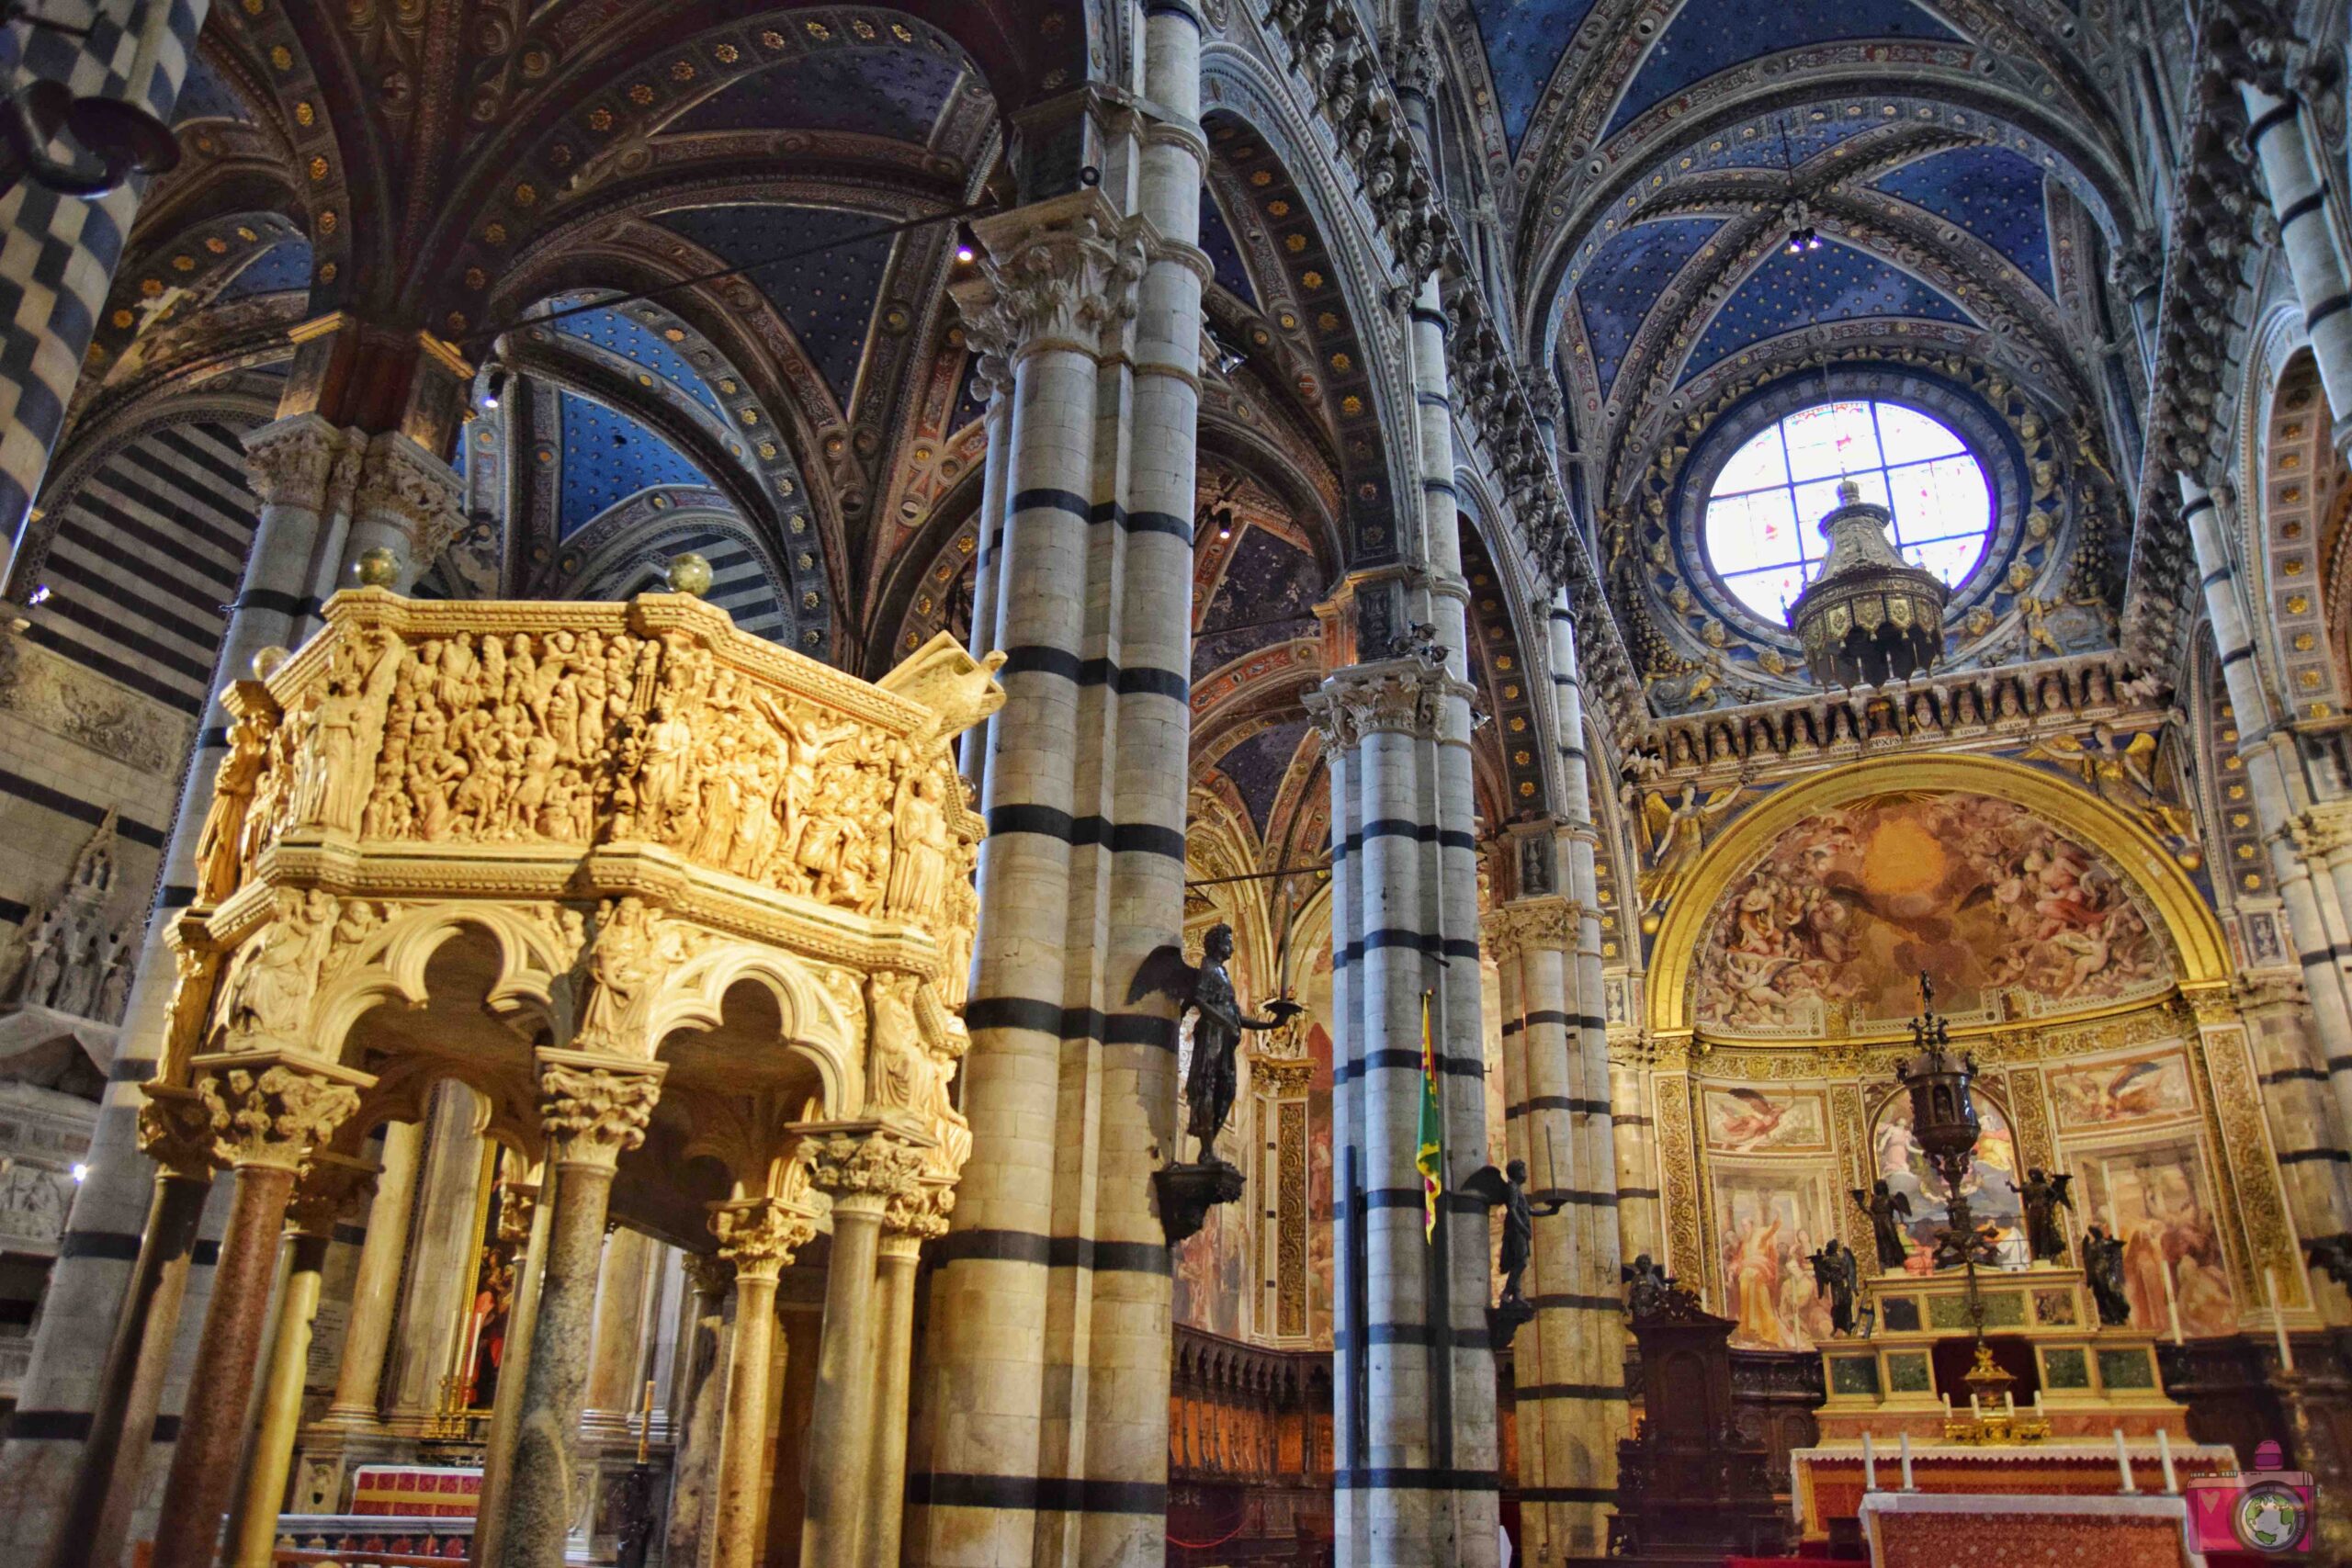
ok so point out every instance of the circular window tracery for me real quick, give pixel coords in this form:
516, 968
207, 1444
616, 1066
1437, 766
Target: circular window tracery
1760, 529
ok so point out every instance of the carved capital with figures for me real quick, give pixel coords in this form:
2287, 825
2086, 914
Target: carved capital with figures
518, 1203
1533, 925
594, 1108
409, 489
274, 1111
759, 1236
2324, 831
871, 1170
176, 1131
1398, 696
1058, 274
330, 1187
918, 1212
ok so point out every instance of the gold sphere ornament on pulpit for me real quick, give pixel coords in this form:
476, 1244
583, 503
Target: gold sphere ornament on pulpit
689, 574
1869, 618
377, 568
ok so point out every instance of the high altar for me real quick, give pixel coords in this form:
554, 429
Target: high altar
2087, 985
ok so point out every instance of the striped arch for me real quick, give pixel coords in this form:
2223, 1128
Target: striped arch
2292, 501
1339, 278
141, 540
627, 551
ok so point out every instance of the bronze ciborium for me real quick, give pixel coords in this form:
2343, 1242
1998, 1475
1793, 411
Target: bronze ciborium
1943, 1121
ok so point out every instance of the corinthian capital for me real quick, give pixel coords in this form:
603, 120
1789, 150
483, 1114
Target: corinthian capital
1059, 273
919, 1211
1395, 695
408, 489
759, 1236
594, 1108
273, 1113
290, 461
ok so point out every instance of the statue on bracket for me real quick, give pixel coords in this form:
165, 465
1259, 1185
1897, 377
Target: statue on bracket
2103, 1264
1887, 1212
1507, 1189
1187, 1191
1651, 1292
2042, 1197
1837, 1273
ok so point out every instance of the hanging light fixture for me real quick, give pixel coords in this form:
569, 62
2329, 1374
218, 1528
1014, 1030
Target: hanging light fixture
1803, 235
1796, 216
1869, 617
123, 138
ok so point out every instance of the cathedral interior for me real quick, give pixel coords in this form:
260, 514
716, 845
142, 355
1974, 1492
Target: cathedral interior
1717, 858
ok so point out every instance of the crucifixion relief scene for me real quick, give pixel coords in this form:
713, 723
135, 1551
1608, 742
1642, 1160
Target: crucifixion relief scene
1175, 783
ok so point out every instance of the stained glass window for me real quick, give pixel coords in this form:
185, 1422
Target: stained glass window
1762, 530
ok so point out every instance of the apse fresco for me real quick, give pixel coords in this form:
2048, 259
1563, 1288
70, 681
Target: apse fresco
1991, 1185
2151, 1192
1769, 1220
1828, 933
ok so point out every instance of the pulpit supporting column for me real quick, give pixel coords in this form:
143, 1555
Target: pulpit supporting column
592, 1109
864, 1174
702, 1376
329, 1185
758, 1236
376, 1290
269, 1114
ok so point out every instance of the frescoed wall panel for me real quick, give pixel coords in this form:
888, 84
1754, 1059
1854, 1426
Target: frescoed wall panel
1770, 1216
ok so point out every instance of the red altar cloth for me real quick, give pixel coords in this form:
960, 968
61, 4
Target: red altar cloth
1827, 1484
415, 1491
1921, 1530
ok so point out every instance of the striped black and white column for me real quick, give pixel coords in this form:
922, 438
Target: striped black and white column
2301, 836
1415, 1421
1043, 1435
57, 252
2277, 131
1569, 1362
290, 464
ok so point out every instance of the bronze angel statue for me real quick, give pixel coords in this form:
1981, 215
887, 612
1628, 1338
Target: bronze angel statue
1507, 1189
1207, 992
2041, 1197
1887, 1212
